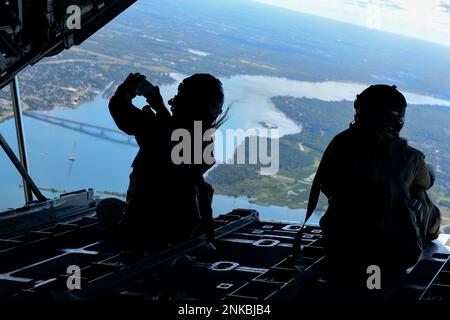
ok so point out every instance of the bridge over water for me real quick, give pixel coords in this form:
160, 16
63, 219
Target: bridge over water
90, 129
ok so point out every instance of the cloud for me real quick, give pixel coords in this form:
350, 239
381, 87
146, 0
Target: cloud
445, 6
423, 19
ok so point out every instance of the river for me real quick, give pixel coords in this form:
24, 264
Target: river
105, 165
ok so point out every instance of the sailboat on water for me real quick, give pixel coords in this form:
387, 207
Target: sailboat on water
72, 156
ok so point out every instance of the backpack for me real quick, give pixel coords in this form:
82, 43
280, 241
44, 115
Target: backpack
406, 224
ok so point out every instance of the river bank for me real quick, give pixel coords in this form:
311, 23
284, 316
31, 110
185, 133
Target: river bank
105, 165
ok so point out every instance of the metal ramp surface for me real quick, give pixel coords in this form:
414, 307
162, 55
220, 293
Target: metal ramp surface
250, 263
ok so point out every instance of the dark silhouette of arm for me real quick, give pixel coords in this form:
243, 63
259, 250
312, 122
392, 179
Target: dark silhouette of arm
328, 168
127, 117
161, 111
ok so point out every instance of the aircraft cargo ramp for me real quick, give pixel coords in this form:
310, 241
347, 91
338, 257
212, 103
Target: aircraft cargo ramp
38, 245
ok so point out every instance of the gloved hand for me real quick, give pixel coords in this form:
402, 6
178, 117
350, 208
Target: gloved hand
153, 96
129, 86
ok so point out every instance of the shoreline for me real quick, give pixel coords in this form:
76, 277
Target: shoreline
8, 115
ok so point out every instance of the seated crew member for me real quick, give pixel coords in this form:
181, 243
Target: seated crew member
366, 173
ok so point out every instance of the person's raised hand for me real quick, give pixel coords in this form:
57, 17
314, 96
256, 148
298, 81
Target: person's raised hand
155, 99
129, 86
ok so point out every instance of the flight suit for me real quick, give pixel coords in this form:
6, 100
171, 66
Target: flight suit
356, 176
162, 198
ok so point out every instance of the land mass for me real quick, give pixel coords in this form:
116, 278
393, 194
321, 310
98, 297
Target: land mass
300, 153
246, 38
233, 38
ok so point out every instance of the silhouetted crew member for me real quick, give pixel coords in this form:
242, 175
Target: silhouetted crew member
165, 201
363, 173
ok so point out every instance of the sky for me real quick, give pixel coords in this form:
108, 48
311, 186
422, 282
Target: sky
424, 19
